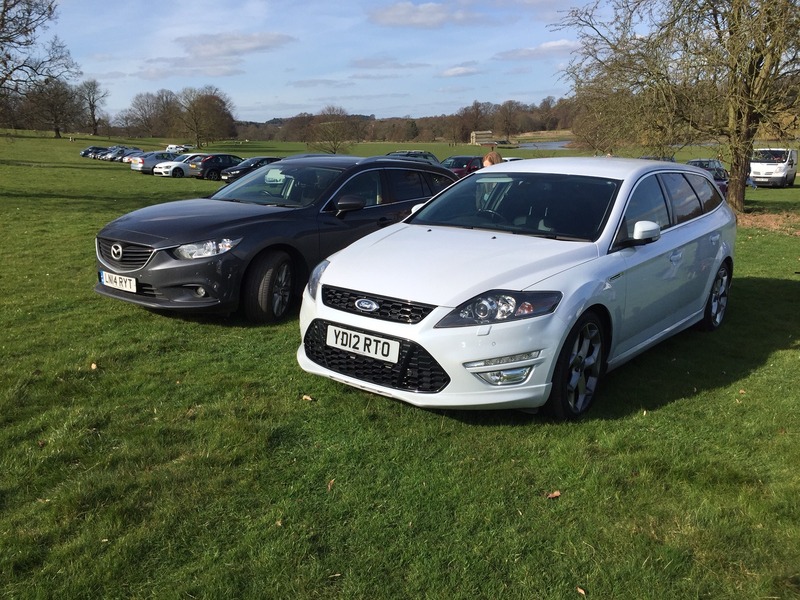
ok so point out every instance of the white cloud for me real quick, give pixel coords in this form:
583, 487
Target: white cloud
544, 50
232, 44
429, 15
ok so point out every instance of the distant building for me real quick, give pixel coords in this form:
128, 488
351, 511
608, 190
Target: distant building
481, 138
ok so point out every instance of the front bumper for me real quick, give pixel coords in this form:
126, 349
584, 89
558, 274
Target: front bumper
166, 283
436, 366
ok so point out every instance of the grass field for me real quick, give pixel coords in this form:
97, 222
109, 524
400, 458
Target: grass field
151, 456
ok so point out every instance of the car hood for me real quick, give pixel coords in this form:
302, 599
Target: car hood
446, 266
172, 223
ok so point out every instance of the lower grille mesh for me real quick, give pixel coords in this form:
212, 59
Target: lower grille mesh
415, 371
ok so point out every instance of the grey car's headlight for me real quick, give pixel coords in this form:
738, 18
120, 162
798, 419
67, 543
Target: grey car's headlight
205, 249
316, 274
501, 306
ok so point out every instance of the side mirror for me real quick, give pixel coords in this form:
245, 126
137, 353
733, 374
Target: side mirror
646, 232
349, 203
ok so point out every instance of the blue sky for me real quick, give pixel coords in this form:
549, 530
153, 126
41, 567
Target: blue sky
386, 58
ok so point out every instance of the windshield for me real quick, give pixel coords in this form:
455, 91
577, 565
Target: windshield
281, 185
551, 205
769, 156
456, 162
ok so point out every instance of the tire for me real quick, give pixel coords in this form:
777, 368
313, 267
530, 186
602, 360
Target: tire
177, 172
213, 175
267, 292
717, 299
579, 369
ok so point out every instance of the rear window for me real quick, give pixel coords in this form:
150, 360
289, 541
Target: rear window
708, 194
685, 203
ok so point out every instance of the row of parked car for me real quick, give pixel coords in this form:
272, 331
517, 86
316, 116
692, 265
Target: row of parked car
517, 286
215, 166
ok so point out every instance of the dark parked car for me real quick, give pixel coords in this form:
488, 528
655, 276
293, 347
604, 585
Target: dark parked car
716, 168
418, 154
93, 149
210, 166
463, 165
253, 243
247, 165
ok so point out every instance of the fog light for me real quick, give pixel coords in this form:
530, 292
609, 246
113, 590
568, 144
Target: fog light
506, 370
502, 360
506, 376
201, 292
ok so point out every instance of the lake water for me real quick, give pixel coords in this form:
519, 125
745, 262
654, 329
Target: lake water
562, 145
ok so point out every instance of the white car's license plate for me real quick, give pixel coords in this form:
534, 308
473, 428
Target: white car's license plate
363, 343
119, 282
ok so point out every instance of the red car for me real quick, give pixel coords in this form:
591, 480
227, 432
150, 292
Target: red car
463, 165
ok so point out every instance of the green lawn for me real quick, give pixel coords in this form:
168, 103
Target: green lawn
152, 456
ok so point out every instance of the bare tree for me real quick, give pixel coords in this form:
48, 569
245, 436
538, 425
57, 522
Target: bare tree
52, 104
144, 114
93, 98
332, 131
23, 59
722, 69
507, 117
206, 114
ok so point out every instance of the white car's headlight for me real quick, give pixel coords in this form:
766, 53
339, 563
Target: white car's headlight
501, 306
205, 249
316, 274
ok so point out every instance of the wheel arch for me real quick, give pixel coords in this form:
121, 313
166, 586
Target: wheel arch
606, 321
298, 264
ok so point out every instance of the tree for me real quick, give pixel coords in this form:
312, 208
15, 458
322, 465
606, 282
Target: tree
332, 131
53, 104
720, 69
206, 114
507, 118
93, 98
23, 60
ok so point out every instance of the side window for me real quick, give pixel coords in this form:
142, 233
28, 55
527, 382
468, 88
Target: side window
707, 193
647, 203
437, 182
365, 185
406, 185
685, 203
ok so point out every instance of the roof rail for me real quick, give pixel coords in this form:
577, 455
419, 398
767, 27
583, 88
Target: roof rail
383, 157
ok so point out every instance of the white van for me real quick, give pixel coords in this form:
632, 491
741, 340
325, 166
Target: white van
179, 147
773, 166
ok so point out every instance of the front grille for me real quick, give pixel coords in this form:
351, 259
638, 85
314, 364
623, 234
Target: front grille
391, 309
133, 256
415, 370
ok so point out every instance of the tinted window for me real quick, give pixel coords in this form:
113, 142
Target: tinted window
685, 204
406, 185
707, 193
647, 203
437, 182
366, 186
